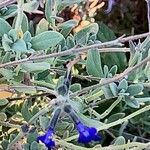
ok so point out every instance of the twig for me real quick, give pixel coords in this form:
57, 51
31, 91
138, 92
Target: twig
40, 113
116, 78
114, 50
148, 13
88, 78
129, 136
37, 88
107, 111
7, 2
74, 51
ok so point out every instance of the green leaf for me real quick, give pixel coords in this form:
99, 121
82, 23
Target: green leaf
135, 89
3, 102
26, 146
145, 46
113, 70
113, 88
32, 137
12, 136
6, 73
4, 27
106, 70
35, 67
77, 106
90, 122
133, 61
143, 99
97, 93
66, 134
4, 144
26, 114
3, 116
132, 102
9, 11
123, 84
49, 11
30, 6
115, 117
24, 24
34, 146
75, 87
19, 46
44, 121
67, 26
82, 36
132, 48
120, 140
35, 110
27, 37
106, 34
13, 35
147, 71
26, 89
93, 64
70, 42
6, 57
44, 83
46, 39
107, 91
42, 26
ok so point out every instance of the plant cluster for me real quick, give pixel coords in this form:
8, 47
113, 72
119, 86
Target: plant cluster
66, 81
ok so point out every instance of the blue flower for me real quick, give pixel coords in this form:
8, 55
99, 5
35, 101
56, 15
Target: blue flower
47, 139
111, 3
87, 134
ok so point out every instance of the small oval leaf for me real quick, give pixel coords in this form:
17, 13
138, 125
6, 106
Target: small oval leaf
46, 39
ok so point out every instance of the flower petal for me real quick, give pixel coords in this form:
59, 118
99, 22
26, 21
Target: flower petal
111, 3
87, 134
47, 139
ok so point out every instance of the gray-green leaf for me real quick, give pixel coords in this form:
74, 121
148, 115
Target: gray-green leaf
132, 102
3, 102
93, 64
135, 89
82, 36
46, 39
35, 67
4, 27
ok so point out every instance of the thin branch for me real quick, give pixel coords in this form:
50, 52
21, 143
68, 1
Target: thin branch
114, 50
7, 2
129, 136
116, 78
88, 78
37, 88
74, 51
148, 13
